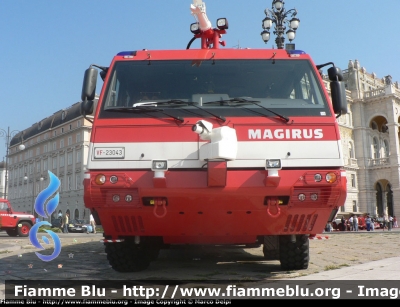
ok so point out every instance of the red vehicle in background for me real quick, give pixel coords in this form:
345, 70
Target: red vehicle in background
213, 146
14, 223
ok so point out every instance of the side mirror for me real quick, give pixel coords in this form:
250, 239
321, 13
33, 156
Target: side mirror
335, 74
87, 107
339, 100
89, 84
338, 90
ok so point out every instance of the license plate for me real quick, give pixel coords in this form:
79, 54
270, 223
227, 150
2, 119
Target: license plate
109, 153
78, 228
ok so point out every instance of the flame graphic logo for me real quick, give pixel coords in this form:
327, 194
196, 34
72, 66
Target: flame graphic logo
45, 210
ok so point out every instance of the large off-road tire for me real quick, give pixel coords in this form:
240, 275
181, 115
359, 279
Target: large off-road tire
294, 255
12, 232
128, 257
271, 247
23, 231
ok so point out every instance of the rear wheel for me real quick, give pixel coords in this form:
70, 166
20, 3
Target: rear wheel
23, 229
294, 252
12, 232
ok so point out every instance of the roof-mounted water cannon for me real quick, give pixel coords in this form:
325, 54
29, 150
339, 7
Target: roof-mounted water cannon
203, 28
222, 141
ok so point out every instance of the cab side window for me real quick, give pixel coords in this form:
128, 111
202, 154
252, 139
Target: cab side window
3, 206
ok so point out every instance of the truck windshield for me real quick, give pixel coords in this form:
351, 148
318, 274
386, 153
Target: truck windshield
199, 88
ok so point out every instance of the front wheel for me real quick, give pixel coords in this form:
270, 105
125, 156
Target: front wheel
127, 256
294, 252
271, 247
23, 229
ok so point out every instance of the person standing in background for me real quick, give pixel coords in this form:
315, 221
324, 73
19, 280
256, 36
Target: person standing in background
65, 222
368, 222
390, 222
92, 223
355, 223
351, 224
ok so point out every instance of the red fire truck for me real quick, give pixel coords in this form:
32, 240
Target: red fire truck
213, 146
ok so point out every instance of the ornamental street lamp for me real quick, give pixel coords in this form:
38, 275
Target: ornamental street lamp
33, 188
278, 16
8, 135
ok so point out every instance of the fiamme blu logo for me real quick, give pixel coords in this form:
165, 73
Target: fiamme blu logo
45, 204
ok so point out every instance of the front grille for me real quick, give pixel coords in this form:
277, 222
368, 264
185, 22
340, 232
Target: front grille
296, 223
128, 224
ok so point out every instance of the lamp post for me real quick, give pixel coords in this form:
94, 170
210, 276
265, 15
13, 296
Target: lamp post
8, 135
278, 16
33, 189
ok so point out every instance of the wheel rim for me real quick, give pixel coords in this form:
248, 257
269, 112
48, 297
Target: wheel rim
25, 229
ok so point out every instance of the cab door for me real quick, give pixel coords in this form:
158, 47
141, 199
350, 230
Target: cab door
5, 216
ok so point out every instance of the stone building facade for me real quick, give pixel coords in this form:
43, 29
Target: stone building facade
370, 140
369, 135
58, 143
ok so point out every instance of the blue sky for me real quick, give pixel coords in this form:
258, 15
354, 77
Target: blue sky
45, 45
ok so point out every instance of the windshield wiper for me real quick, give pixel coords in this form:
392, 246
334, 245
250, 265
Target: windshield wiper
143, 109
247, 101
169, 103
220, 117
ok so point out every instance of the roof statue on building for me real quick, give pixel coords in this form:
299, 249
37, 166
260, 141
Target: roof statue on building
388, 80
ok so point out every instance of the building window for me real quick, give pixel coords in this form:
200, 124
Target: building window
45, 148
38, 167
78, 124
54, 162
55, 133
38, 151
45, 165
69, 140
78, 156
62, 161
69, 158
386, 149
54, 145
376, 148
69, 183
70, 127
355, 209
77, 182
353, 180
62, 143
78, 138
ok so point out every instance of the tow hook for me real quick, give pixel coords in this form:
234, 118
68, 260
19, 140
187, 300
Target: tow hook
274, 203
160, 202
